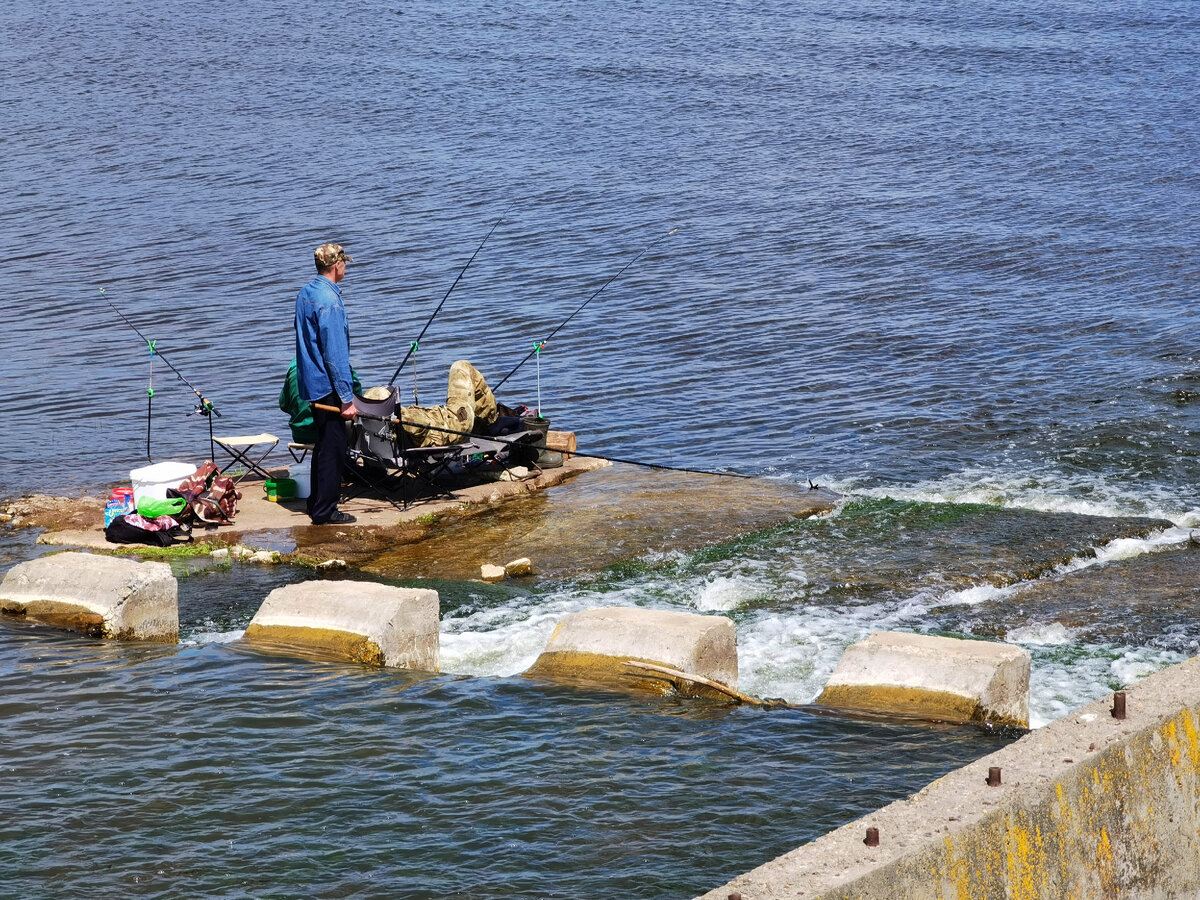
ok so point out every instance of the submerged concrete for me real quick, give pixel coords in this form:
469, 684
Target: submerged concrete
101, 596
595, 645
930, 677
360, 621
1090, 806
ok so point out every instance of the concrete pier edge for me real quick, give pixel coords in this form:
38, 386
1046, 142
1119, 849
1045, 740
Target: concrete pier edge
1089, 806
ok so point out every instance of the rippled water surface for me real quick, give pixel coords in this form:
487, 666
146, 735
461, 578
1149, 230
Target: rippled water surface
938, 258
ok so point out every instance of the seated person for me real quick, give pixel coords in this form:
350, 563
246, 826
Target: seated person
470, 409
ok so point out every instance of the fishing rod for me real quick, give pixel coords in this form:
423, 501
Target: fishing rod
395, 420
412, 348
537, 348
205, 408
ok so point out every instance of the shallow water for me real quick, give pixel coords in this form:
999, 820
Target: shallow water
938, 259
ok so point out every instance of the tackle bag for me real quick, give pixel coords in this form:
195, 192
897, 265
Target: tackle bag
211, 497
162, 531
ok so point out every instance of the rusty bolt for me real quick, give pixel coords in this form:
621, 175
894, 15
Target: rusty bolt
1118, 710
735, 896
993, 778
872, 838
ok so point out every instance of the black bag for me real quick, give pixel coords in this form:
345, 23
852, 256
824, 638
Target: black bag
119, 531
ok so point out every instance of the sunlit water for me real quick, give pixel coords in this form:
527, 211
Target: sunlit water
939, 259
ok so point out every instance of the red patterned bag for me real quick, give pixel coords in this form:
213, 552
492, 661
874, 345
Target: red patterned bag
211, 496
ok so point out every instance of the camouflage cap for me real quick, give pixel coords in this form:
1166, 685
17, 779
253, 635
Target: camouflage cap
328, 254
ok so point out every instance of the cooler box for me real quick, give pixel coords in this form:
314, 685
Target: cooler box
151, 482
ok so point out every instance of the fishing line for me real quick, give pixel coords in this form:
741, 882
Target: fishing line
412, 349
205, 407
537, 348
394, 420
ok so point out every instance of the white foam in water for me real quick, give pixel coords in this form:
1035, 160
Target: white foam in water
723, 594
501, 641
1128, 548
213, 637
1047, 491
1066, 677
1052, 634
980, 593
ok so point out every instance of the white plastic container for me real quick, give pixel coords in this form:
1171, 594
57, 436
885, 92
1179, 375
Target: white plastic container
151, 482
302, 475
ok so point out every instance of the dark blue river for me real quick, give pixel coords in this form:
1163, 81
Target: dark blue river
938, 257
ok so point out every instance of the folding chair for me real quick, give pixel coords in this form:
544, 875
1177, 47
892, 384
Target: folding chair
245, 449
379, 450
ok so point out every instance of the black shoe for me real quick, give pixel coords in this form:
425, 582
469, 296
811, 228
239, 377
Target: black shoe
338, 518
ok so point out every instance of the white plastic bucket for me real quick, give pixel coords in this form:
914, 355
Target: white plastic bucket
151, 482
302, 475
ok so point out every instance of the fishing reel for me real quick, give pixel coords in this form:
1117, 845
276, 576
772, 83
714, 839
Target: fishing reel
205, 408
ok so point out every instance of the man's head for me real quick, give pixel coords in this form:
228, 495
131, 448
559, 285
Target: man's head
331, 261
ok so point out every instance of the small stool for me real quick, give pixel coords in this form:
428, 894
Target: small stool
244, 449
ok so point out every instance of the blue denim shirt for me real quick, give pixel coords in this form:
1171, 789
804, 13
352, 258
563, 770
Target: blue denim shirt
322, 342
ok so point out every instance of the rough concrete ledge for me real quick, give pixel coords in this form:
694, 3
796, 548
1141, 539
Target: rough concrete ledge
595, 645
1090, 806
930, 677
97, 595
361, 621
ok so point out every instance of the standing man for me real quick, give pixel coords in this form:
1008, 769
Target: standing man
324, 376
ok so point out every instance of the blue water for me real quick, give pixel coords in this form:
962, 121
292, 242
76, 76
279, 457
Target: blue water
940, 258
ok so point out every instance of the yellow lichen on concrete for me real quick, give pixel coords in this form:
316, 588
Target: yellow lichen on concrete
611, 671
1193, 740
59, 614
1026, 866
910, 701
325, 641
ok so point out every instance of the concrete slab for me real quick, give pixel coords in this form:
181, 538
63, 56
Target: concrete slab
366, 622
102, 596
932, 677
257, 514
595, 645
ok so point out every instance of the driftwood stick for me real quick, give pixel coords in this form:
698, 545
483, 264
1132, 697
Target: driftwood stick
670, 674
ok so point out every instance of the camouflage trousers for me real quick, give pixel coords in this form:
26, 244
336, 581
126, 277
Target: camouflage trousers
470, 406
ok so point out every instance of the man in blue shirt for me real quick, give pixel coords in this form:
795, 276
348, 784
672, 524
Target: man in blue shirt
324, 377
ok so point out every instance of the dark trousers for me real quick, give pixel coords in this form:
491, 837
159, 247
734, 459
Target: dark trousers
329, 452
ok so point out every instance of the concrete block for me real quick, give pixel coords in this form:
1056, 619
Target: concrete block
939, 678
361, 621
594, 645
104, 596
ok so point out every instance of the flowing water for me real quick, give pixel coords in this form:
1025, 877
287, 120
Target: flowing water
937, 257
